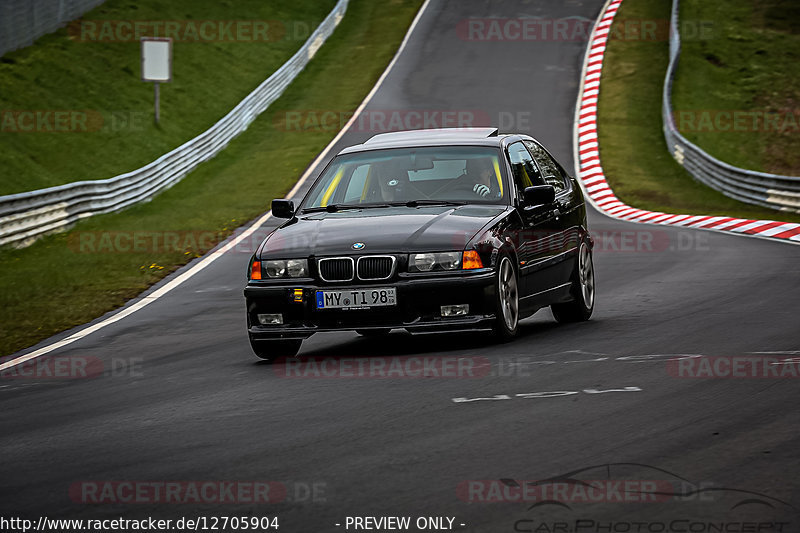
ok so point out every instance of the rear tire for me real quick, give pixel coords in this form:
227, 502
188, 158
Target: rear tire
271, 350
373, 332
507, 300
583, 290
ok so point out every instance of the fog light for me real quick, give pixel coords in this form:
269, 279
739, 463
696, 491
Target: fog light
455, 310
270, 320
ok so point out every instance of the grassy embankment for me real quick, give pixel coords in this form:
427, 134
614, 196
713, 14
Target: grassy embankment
53, 284
723, 66
91, 71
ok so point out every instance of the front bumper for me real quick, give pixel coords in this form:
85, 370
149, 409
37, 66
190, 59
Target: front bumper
419, 301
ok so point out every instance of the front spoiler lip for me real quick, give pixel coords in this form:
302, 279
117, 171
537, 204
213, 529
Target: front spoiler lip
403, 280
456, 325
478, 322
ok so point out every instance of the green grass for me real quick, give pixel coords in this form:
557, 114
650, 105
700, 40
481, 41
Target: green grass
52, 285
750, 63
635, 157
64, 72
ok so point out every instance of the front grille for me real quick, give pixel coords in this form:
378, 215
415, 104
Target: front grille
336, 269
375, 267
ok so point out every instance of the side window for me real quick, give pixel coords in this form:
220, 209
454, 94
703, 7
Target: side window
550, 169
522, 166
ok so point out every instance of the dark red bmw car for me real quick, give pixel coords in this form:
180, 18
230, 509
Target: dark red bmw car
427, 230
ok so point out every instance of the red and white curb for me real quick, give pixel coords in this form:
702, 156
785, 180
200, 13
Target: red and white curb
590, 170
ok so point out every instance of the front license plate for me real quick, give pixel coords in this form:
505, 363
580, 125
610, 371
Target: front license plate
357, 298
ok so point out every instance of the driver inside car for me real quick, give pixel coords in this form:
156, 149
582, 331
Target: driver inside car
479, 177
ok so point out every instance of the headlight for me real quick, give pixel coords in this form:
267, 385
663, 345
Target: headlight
297, 268
291, 268
434, 261
449, 260
421, 262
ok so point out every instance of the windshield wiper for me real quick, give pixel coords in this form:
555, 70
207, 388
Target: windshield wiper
417, 203
332, 208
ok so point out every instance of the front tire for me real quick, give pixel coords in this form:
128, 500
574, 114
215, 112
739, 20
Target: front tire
271, 350
507, 302
583, 290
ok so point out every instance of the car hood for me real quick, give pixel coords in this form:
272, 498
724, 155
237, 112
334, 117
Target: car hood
380, 230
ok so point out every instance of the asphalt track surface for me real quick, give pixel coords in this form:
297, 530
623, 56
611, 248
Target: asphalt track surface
198, 406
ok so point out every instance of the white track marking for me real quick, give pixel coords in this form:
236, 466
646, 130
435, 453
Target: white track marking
541, 395
213, 256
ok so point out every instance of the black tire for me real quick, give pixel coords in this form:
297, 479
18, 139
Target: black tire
583, 290
507, 299
271, 350
373, 332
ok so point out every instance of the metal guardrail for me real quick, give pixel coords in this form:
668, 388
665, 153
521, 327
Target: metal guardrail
769, 190
28, 215
24, 21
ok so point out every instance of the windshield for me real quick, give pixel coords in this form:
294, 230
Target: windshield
413, 176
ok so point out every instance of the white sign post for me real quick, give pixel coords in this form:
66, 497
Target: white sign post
156, 64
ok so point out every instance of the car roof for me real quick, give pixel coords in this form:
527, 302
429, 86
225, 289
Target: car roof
432, 137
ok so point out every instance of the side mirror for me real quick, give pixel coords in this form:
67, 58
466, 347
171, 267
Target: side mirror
539, 195
282, 208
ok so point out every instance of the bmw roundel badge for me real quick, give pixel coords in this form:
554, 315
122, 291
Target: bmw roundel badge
358, 245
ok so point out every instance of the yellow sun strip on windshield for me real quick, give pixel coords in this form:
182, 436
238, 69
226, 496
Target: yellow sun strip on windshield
332, 187
366, 184
497, 173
